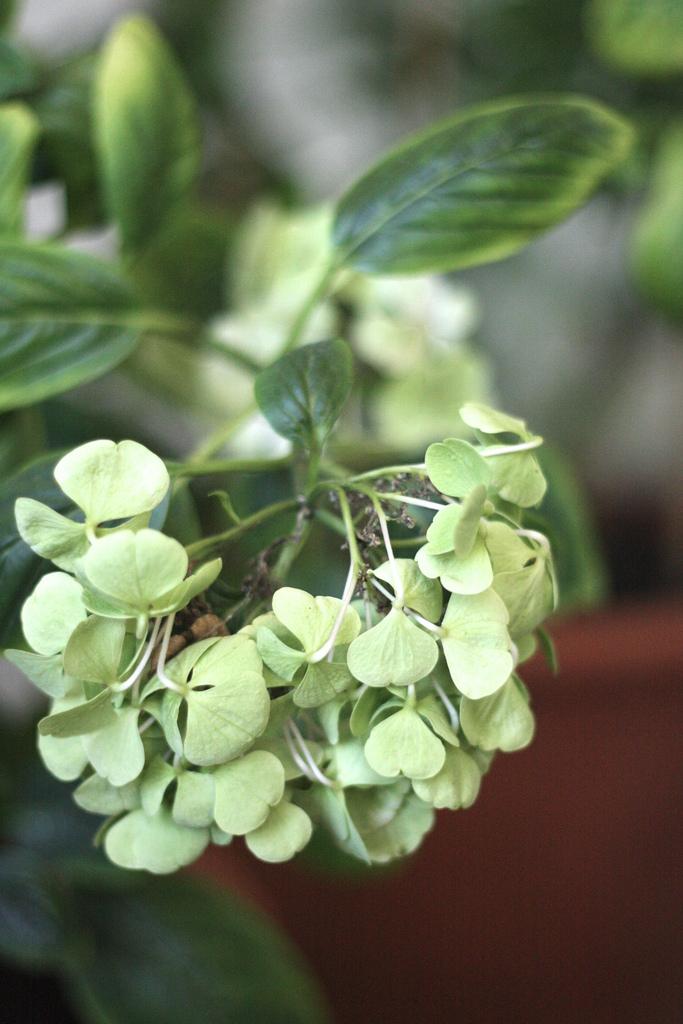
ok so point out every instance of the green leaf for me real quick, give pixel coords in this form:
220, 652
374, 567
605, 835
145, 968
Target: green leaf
363, 711
65, 318
455, 467
115, 750
658, 240
322, 682
246, 790
215, 959
522, 578
18, 133
470, 575
476, 643
154, 781
146, 132
431, 708
640, 37
87, 717
97, 796
112, 481
135, 570
64, 108
403, 744
311, 619
503, 721
391, 820
52, 612
419, 593
285, 832
479, 186
278, 656
17, 72
32, 916
349, 765
329, 808
194, 800
455, 786
469, 521
224, 721
94, 650
395, 652
63, 756
50, 534
47, 673
156, 844
302, 394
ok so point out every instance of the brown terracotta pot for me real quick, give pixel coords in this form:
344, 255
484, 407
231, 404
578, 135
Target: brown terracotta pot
557, 897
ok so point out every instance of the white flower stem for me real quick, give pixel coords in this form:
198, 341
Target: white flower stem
161, 664
308, 757
406, 500
396, 579
508, 449
431, 626
540, 538
347, 597
383, 590
450, 709
142, 664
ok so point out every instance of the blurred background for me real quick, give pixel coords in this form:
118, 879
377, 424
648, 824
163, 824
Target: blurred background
558, 895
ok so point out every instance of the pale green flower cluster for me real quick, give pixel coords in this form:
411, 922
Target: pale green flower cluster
361, 714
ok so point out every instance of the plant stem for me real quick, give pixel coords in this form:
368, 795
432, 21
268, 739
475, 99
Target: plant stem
373, 474
317, 294
212, 466
200, 547
354, 550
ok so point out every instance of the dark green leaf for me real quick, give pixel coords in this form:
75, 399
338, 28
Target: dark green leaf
302, 394
172, 950
643, 37
20, 569
18, 130
66, 148
64, 319
17, 74
479, 186
658, 241
31, 920
146, 132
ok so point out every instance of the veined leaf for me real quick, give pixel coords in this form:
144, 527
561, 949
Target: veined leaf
64, 319
146, 132
18, 132
302, 394
479, 186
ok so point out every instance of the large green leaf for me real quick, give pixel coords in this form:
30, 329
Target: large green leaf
658, 241
302, 394
205, 956
66, 149
479, 186
643, 37
18, 131
17, 72
20, 569
146, 132
64, 319
32, 920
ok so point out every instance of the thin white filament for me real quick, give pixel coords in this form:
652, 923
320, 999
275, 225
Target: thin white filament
404, 499
165, 641
398, 586
142, 664
301, 742
508, 449
450, 710
347, 597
